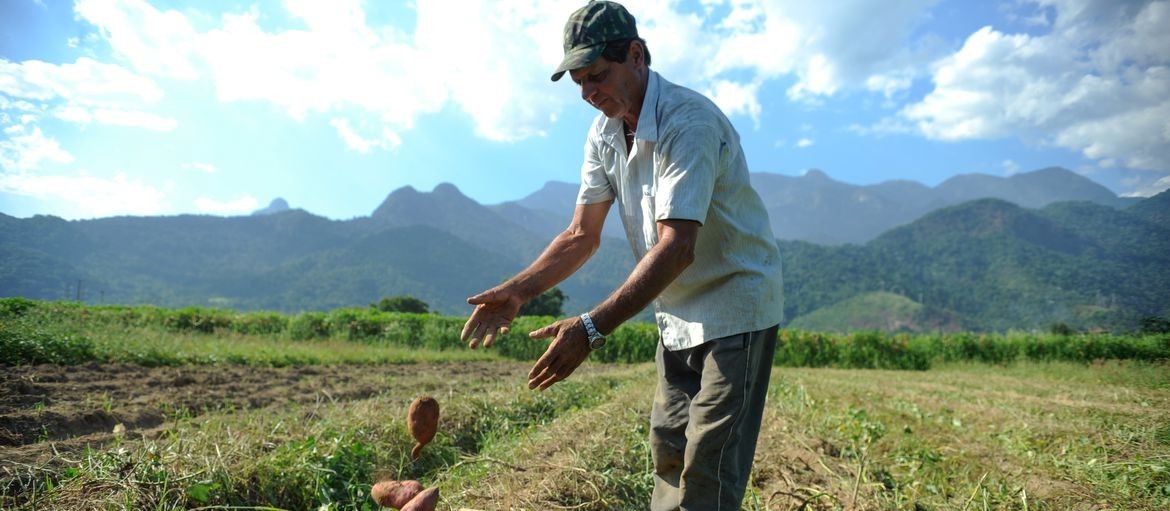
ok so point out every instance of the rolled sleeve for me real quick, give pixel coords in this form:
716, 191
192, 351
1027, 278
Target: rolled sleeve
686, 178
595, 184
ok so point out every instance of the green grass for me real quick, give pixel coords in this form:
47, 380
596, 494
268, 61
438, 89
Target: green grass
1030, 436
986, 427
320, 456
152, 346
71, 333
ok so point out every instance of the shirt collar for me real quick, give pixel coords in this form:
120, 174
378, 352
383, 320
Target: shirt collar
647, 118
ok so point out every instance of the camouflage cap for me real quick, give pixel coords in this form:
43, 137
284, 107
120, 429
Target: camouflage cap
589, 29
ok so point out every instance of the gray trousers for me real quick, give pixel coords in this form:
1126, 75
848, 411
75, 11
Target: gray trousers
706, 419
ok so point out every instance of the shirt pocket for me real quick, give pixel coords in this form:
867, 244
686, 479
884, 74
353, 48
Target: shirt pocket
649, 220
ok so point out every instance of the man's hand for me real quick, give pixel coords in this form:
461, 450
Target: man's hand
569, 347
494, 311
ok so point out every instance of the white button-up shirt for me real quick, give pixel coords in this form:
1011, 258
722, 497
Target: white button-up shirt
686, 163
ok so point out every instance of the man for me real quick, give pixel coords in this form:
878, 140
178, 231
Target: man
706, 259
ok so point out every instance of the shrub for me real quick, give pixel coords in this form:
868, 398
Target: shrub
259, 323
197, 319
15, 306
308, 325
402, 304
26, 342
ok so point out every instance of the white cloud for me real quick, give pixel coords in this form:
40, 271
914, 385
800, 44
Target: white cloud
1147, 188
132, 118
89, 196
387, 139
24, 150
85, 82
828, 46
1098, 84
490, 57
155, 42
737, 98
890, 84
1010, 167
82, 92
244, 204
206, 168
804, 142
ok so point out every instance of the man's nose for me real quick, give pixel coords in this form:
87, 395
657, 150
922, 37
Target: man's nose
587, 91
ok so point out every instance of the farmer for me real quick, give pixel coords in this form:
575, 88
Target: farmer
706, 259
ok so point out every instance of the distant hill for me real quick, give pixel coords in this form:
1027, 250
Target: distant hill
816, 208
1000, 266
884, 311
985, 264
276, 206
439, 246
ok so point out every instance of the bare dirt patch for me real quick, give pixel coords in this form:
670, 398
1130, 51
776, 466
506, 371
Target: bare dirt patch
49, 408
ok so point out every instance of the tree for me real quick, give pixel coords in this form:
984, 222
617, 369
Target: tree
1155, 325
401, 303
547, 304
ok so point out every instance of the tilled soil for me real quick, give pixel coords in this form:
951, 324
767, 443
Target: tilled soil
47, 409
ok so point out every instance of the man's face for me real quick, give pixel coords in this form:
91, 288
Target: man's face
609, 86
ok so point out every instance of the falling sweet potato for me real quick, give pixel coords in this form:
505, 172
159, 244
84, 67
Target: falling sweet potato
425, 501
395, 494
423, 420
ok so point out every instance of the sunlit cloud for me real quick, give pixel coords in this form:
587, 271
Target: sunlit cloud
24, 149
244, 204
1098, 84
206, 168
89, 196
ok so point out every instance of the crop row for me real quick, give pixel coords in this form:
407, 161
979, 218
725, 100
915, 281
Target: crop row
55, 332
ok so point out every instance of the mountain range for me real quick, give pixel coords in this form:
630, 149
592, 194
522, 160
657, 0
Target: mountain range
976, 252
816, 208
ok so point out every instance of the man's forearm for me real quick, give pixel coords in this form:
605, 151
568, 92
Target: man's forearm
563, 256
658, 268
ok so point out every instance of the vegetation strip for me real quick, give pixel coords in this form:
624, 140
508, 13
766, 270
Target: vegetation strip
70, 333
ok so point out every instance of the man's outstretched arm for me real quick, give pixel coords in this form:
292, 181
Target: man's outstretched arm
663, 263
497, 307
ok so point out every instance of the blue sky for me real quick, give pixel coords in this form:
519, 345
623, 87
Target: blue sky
129, 107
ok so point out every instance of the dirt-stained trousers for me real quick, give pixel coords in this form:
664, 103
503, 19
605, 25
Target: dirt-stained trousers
706, 420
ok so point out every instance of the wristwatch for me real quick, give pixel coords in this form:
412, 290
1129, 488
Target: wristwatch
596, 340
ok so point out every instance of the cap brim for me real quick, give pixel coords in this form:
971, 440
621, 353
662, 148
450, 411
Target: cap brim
578, 58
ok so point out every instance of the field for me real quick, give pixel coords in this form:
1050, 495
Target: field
157, 415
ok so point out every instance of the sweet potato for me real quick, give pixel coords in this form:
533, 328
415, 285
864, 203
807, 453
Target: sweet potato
423, 420
395, 494
425, 501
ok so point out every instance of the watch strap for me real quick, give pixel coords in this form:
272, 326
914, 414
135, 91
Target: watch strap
590, 330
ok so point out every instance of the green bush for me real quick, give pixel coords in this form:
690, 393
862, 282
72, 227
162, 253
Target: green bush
259, 323
401, 303
197, 319
308, 325
15, 306
27, 342
28, 337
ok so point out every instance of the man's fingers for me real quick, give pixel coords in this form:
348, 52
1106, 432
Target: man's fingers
484, 297
543, 380
491, 336
468, 328
540, 366
543, 332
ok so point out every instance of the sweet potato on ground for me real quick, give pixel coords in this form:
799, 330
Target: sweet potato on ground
395, 494
425, 501
423, 420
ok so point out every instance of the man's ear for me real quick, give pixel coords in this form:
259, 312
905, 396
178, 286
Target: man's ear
637, 52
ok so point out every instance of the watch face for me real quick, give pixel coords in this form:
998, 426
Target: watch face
596, 342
